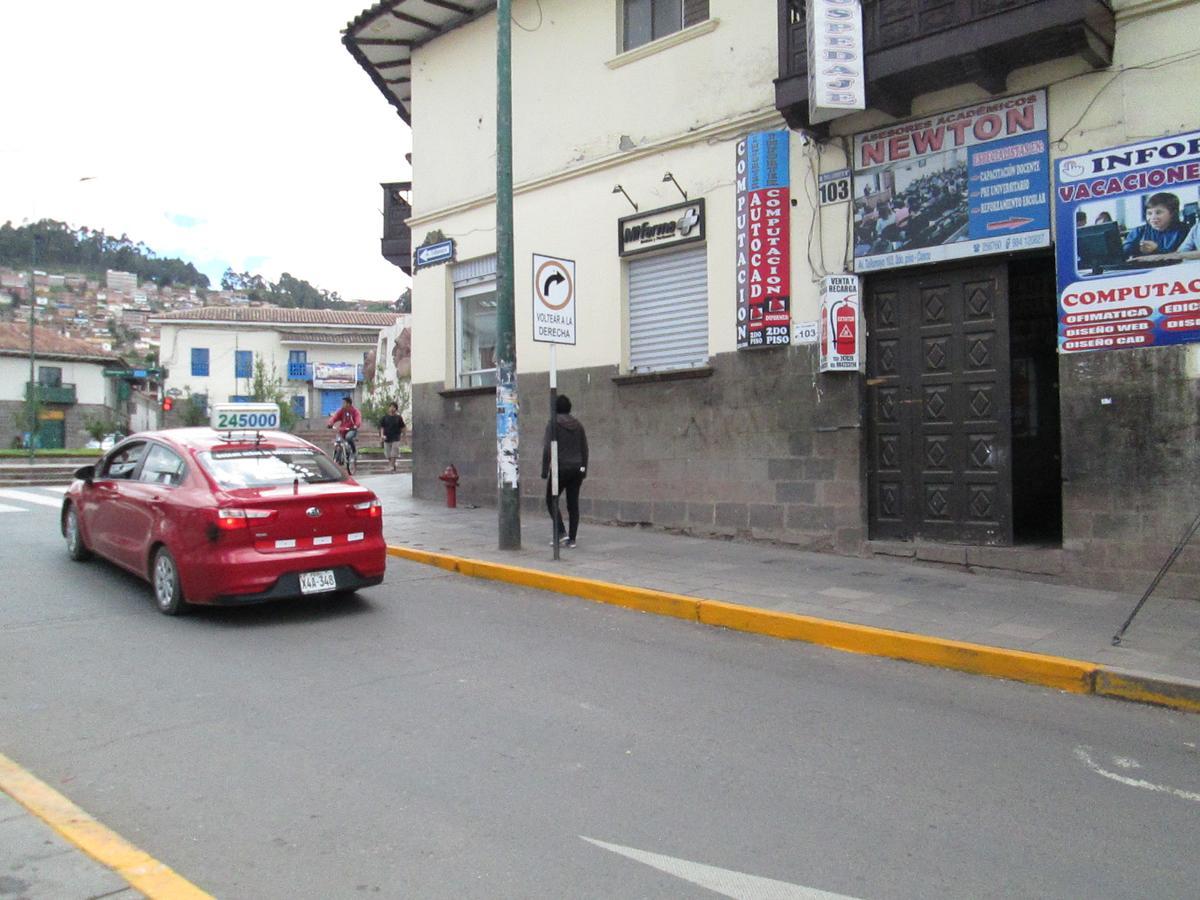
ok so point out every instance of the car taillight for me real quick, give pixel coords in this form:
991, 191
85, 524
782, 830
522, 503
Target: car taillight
368, 509
232, 518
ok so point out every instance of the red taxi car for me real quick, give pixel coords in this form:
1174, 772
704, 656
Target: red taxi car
226, 517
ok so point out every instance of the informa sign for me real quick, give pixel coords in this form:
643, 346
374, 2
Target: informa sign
1128, 262
332, 376
658, 229
841, 331
836, 86
961, 183
553, 300
763, 210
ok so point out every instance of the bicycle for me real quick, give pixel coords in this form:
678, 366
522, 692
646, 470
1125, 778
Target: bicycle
344, 453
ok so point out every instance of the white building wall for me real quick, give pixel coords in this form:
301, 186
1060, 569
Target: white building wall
90, 384
585, 118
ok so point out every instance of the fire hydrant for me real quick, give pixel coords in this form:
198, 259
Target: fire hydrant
449, 477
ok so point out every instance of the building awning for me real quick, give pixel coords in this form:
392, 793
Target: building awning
383, 37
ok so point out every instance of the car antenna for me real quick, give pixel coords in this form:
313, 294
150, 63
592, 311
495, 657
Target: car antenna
295, 485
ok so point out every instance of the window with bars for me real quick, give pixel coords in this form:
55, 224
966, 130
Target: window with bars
644, 21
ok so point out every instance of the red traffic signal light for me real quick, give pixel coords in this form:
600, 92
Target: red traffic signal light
168, 404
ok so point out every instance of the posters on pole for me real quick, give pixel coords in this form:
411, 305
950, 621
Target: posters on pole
553, 300
1127, 257
763, 211
841, 331
960, 183
836, 86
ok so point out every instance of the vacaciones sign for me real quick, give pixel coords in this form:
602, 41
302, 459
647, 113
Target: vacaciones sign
1127, 257
961, 183
763, 212
836, 86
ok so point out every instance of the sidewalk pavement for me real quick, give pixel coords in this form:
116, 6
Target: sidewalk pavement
38, 864
1014, 627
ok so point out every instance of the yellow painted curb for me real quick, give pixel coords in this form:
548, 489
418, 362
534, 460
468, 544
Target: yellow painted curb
1148, 689
141, 870
997, 662
1063, 674
658, 602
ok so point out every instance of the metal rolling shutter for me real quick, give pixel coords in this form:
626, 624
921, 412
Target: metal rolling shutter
668, 311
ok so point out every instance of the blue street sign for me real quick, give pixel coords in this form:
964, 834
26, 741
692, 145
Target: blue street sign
434, 254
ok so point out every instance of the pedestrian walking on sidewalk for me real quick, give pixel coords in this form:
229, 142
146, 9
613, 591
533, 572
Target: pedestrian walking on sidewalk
391, 427
572, 467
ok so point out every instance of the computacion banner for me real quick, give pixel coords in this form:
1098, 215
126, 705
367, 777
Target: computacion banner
1126, 235
763, 210
961, 183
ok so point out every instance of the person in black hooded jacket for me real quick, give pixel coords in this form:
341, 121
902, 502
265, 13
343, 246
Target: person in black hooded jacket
572, 467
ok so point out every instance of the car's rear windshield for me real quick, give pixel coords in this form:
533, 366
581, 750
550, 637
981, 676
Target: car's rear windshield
264, 467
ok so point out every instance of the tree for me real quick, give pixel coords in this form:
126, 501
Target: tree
267, 387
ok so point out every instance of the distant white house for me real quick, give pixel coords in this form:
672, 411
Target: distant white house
318, 354
70, 381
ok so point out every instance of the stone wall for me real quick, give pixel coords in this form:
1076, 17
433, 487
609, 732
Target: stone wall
12, 413
1131, 459
760, 446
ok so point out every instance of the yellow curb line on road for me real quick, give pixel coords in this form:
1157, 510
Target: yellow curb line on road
141, 870
1075, 676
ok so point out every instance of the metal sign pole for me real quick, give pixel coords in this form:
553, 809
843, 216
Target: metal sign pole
555, 515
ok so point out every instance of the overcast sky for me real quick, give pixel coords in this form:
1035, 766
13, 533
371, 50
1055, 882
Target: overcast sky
227, 132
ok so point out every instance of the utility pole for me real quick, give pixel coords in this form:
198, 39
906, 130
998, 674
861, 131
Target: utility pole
508, 483
32, 400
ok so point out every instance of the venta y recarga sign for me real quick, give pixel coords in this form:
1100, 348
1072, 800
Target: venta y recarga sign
1127, 258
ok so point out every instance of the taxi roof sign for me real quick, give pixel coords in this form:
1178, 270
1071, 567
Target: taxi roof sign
244, 416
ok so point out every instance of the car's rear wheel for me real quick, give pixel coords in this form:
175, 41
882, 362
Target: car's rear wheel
76, 548
168, 594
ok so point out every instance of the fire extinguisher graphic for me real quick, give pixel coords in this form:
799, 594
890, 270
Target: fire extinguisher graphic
845, 328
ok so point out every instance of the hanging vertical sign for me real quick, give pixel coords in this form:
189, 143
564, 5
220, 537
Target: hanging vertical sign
841, 332
836, 86
763, 206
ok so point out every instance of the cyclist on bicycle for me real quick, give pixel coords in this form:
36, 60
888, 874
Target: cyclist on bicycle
348, 420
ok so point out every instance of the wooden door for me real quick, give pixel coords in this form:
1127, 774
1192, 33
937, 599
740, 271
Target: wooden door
940, 432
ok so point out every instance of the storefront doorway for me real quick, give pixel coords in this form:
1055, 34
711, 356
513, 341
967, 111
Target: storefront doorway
962, 395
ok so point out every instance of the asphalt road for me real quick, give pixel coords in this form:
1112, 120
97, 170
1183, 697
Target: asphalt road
439, 736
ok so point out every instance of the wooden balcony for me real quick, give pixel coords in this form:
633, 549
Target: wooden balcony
61, 393
396, 244
917, 46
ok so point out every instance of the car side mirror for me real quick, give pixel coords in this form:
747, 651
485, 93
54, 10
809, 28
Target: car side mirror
85, 474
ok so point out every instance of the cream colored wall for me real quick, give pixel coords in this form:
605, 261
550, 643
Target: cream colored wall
570, 109
88, 378
1087, 110
568, 130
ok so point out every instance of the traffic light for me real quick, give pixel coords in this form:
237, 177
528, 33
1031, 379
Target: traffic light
168, 404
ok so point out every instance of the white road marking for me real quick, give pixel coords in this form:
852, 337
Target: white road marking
54, 488
26, 497
4, 509
1083, 754
725, 882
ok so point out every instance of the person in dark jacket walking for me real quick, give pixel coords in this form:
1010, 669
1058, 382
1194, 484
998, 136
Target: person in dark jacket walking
572, 467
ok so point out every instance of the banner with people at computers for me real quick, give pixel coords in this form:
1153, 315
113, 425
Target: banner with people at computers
961, 183
1128, 245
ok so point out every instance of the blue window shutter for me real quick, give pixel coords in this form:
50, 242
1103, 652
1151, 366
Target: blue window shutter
199, 360
244, 364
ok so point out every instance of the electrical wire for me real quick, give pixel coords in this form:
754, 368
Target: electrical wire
535, 27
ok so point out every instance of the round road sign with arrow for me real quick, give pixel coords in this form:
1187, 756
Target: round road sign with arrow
553, 300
